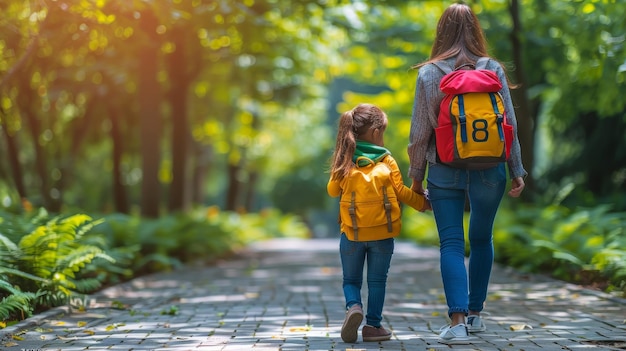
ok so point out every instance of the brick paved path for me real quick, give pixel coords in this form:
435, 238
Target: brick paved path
286, 295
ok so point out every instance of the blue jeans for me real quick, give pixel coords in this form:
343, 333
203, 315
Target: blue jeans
378, 254
448, 188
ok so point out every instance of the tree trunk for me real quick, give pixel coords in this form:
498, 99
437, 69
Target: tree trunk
34, 127
201, 165
14, 162
253, 175
120, 196
149, 118
234, 187
526, 120
179, 195
251, 191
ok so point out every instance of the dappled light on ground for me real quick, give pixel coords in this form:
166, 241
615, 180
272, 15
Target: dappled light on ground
286, 295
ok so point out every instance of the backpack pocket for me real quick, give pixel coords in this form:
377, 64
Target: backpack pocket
444, 138
369, 213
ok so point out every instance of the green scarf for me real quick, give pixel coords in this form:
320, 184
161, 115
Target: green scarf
371, 151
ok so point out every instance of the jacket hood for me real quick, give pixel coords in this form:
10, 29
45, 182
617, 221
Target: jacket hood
372, 152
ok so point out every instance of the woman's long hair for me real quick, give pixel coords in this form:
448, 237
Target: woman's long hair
352, 124
459, 35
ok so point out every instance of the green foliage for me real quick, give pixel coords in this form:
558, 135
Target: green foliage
16, 302
171, 311
583, 246
419, 227
45, 261
197, 236
56, 252
50, 262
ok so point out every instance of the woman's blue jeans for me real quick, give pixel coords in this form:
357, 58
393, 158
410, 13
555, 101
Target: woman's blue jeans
448, 188
353, 255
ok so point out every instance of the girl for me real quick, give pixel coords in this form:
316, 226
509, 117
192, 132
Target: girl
359, 146
460, 42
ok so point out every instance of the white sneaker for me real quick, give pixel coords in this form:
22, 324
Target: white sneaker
475, 324
454, 335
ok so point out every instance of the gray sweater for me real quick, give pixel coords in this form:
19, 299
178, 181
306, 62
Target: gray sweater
422, 147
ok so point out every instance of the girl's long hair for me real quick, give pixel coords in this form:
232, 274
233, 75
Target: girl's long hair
352, 124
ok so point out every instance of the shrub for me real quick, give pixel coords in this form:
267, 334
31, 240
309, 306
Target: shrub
50, 263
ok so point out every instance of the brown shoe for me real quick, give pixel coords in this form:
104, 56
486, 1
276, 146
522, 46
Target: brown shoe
375, 334
350, 327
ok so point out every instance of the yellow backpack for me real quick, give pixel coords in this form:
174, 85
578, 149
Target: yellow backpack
368, 200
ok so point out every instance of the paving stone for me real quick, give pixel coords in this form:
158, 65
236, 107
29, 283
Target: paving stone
286, 295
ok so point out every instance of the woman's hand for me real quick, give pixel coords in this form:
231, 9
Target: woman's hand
517, 185
418, 187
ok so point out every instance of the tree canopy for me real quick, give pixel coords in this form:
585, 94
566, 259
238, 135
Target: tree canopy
154, 106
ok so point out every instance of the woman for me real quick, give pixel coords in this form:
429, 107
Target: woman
460, 42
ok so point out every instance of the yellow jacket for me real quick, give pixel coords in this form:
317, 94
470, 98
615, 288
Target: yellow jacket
373, 221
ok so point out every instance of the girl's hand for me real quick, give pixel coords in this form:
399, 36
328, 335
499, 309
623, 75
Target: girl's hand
427, 206
419, 188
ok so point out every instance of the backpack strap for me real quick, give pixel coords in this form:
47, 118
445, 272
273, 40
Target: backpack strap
499, 116
352, 211
482, 63
387, 209
462, 118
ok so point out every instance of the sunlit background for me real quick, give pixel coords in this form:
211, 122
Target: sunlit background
139, 136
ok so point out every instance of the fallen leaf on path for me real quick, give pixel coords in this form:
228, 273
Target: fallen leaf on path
518, 327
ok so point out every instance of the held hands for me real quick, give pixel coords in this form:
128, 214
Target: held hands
517, 185
418, 188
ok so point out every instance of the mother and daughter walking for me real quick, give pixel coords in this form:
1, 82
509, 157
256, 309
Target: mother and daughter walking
366, 178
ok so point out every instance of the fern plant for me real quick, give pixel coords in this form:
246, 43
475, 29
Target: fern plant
57, 252
16, 302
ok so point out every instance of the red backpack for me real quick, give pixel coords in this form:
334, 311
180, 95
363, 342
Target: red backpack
472, 130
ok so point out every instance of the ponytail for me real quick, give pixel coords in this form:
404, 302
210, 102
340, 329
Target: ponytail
341, 162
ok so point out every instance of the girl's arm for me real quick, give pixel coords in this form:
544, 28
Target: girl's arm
333, 187
404, 193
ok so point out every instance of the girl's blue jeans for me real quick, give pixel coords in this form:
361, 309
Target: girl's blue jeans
353, 256
465, 289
